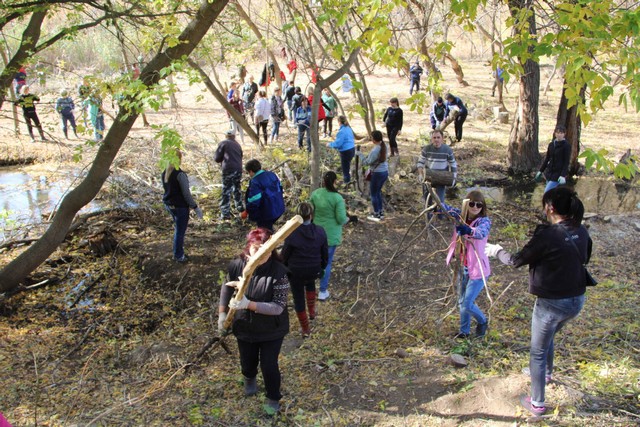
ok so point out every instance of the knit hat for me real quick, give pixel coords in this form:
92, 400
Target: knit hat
64, 93
230, 132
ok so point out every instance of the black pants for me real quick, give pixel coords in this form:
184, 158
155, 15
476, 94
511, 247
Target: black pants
31, 115
263, 124
458, 125
392, 133
328, 121
301, 281
266, 354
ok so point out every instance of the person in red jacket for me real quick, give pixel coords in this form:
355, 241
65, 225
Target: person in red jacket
321, 113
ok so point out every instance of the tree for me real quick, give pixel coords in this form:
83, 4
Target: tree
160, 66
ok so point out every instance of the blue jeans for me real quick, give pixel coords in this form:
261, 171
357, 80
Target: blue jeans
345, 163
302, 129
375, 186
180, 218
470, 289
551, 185
324, 282
549, 316
275, 130
98, 128
414, 83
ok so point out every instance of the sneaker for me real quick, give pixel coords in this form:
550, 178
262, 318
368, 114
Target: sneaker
547, 378
223, 217
481, 329
182, 259
381, 216
374, 218
537, 411
323, 295
461, 336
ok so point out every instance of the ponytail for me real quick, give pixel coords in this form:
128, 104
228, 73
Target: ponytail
566, 203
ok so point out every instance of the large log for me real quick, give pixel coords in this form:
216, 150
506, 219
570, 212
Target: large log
453, 113
438, 177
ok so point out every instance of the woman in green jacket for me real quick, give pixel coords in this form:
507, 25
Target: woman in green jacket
329, 213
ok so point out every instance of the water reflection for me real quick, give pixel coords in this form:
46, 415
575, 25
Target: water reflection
600, 196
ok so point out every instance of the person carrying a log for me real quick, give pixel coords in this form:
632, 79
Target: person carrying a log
437, 156
556, 256
473, 231
455, 102
393, 120
261, 320
438, 113
555, 165
229, 155
306, 254
264, 197
28, 101
178, 201
330, 214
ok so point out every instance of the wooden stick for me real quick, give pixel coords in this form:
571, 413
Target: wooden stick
258, 258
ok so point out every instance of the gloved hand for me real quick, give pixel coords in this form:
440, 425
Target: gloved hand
198, 212
353, 219
244, 215
239, 305
562, 180
221, 319
463, 229
492, 250
538, 177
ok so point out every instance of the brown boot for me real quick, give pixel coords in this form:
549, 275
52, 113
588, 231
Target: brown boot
304, 322
311, 304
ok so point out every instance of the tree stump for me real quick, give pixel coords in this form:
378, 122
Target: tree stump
102, 242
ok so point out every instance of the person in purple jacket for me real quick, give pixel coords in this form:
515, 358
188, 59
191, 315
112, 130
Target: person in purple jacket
473, 232
306, 253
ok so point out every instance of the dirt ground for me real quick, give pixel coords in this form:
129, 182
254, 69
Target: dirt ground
112, 340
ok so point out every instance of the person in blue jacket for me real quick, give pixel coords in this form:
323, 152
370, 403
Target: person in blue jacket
264, 196
414, 76
453, 102
345, 144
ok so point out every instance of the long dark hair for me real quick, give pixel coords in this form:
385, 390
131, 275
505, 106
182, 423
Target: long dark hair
329, 181
376, 135
565, 201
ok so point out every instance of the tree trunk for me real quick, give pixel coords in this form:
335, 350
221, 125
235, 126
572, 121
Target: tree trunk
16, 271
455, 66
30, 37
569, 118
224, 103
523, 155
14, 108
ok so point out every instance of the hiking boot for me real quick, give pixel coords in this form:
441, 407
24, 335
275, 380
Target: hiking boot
537, 411
323, 295
182, 259
304, 323
547, 378
481, 329
311, 304
461, 336
271, 407
250, 386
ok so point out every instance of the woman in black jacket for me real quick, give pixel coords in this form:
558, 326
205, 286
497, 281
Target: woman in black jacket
261, 319
306, 253
556, 256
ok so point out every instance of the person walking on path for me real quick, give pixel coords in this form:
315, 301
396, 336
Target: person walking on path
346, 145
330, 214
238, 105
264, 197
414, 76
330, 106
64, 107
555, 165
96, 115
249, 92
556, 255
306, 254
377, 161
473, 232
261, 319
27, 101
393, 121
438, 113
262, 114
303, 121
277, 114
455, 102
288, 97
229, 154
437, 156
178, 200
